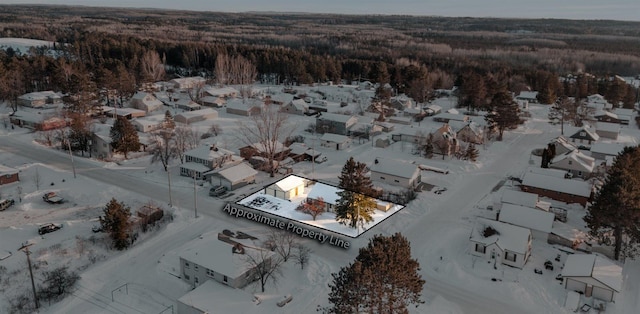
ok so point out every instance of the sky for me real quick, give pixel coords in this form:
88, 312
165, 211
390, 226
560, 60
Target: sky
627, 10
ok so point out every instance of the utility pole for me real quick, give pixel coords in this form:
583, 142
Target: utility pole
25, 247
169, 178
73, 165
195, 199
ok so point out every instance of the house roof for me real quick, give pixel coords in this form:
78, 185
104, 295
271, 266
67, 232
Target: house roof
197, 167
576, 158
450, 116
329, 193
4, 170
239, 104
235, 300
221, 91
591, 265
562, 141
289, 183
547, 172
509, 237
208, 152
395, 167
238, 172
342, 118
608, 127
40, 95
279, 147
335, 138
611, 149
211, 253
527, 95
527, 217
567, 186
207, 112
602, 113
588, 134
519, 198
300, 104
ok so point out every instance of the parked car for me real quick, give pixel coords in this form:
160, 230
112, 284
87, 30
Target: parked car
49, 227
217, 191
52, 198
6, 203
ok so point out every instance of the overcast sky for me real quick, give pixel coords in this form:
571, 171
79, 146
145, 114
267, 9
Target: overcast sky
628, 10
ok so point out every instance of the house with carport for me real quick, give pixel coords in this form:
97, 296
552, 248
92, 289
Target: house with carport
500, 242
396, 173
287, 188
592, 275
538, 221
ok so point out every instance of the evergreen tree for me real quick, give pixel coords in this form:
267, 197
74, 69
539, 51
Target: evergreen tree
354, 178
382, 279
504, 114
124, 137
115, 221
471, 153
428, 146
354, 209
615, 211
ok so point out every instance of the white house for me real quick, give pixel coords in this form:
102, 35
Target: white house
204, 158
239, 107
501, 242
337, 141
592, 275
233, 177
538, 221
39, 100
194, 116
208, 258
396, 173
562, 146
145, 101
188, 105
328, 193
575, 162
287, 188
149, 123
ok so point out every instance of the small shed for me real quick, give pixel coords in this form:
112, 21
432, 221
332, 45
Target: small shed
286, 188
593, 275
149, 214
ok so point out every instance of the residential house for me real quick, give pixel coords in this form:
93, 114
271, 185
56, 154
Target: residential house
39, 100
562, 145
221, 92
189, 117
396, 173
145, 101
538, 221
242, 108
560, 189
149, 214
8, 175
278, 149
584, 135
287, 188
335, 141
574, 162
205, 158
607, 116
445, 117
148, 124
592, 275
335, 123
208, 258
624, 115
37, 121
188, 105
328, 193
515, 197
386, 126
127, 113
432, 109
299, 152
411, 135
531, 97
296, 106
596, 99
469, 132
400, 103
445, 141
233, 177
101, 141
212, 101
199, 300
413, 112
184, 83
602, 151
608, 130
400, 120
501, 242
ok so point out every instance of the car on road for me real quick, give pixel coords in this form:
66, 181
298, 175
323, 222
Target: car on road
6, 203
52, 198
49, 227
217, 191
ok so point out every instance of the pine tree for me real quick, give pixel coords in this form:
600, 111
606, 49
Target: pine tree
354, 209
353, 177
124, 137
504, 114
428, 146
615, 211
382, 279
115, 221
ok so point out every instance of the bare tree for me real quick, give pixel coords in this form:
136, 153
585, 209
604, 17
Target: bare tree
266, 265
302, 255
185, 139
47, 137
235, 71
152, 66
313, 207
267, 130
282, 243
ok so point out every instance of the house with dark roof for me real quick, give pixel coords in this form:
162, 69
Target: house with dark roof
584, 135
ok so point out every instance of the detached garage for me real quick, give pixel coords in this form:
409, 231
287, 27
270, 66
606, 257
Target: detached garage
286, 188
592, 275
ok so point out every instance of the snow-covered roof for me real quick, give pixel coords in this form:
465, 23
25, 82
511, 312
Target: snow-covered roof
240, 104
279, 147
4, 170
329, 193
450, 116
335, 138
395, 167
221, 91
40, 95
547, 172
527, 95
603, 113
576, 158
208, 152
588, 133
527, 217
342, 118
591, 265
608, 127
624, 112
508, 237
611, 149
519, 198
238, 172
211, 253
562, 141
289, 183
300, 104
207, 112
197, 167
567, 186
235, 300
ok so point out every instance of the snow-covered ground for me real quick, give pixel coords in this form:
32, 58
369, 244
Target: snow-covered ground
142, 279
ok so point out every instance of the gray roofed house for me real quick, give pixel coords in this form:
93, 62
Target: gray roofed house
337, 141
335, 123
395, 173
575, 162
538, 221
233, 177
601, 151
608, 130
593, 275
500, 242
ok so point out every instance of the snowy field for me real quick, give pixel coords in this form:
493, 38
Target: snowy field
143, 278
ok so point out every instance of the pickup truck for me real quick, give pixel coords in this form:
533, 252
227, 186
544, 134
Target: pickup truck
52, 198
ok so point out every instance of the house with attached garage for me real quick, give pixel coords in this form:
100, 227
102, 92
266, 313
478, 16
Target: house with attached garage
287, 188
574, 162
538, 221
500, 242
232, 177
8, 175
584, 135
395, 173
593, 275
335, 141
335, 123
557, 188
204, 158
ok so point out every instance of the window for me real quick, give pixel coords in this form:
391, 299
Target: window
210, 273
583, 134
480, 248
224, 279
186, 276
510, 256
396, 181
579, 173
570, 162
195, 267
195, 280
186, 264
382, 178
